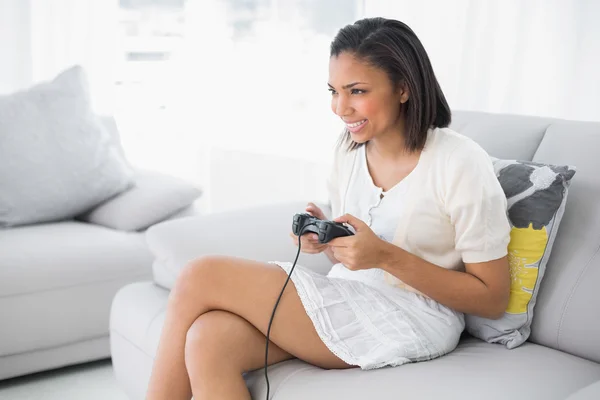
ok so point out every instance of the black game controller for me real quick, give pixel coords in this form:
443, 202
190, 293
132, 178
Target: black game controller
326, 230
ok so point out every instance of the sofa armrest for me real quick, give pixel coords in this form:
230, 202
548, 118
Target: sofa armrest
153, 198
259, 233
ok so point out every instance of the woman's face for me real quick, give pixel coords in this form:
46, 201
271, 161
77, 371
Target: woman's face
364, 98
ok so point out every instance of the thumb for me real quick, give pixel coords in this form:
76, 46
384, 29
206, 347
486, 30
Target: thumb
350, 219
315, 211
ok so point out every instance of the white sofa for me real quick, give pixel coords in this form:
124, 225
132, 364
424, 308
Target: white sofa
560, 359
57, 280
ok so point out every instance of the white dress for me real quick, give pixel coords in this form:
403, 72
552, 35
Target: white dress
362, 319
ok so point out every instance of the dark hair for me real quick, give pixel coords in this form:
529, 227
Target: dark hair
393, 47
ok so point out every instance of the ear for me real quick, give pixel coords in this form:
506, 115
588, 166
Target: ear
404, 92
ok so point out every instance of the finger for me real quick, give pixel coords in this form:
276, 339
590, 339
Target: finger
351, 220
315, 211
312, 241
312, 249
294, 238
339, 242
310, 238
315, 207
339, 256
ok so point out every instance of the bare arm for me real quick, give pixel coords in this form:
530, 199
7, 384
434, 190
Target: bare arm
483, 289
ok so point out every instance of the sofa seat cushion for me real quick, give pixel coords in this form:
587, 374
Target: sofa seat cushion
57, 282
591, 392
64, 254
475, 370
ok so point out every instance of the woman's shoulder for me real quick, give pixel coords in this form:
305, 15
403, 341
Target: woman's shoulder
449, 140
452, 147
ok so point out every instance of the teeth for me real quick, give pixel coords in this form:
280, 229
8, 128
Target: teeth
354, 125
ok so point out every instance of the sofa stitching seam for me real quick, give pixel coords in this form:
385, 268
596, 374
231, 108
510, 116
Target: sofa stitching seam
546, 253
571, 294
159, 312
91, 338
60, 288
290, 376
114, 331
544, 132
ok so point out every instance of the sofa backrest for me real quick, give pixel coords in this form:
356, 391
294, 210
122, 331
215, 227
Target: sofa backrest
567, 311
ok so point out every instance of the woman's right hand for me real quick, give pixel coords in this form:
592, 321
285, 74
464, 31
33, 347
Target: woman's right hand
310, 241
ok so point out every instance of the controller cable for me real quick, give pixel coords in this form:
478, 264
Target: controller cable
277, 303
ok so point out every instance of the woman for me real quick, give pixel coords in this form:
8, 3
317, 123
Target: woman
430, 244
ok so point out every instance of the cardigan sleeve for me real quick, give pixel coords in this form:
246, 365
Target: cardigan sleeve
476, 205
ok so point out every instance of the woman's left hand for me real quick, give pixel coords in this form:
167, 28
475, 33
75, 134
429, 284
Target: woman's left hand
363, 250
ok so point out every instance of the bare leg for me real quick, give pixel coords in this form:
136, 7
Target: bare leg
219, 348
243, 287
169, 379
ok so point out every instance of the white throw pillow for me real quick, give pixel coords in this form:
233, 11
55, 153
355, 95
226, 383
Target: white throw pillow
56, 158
154, 198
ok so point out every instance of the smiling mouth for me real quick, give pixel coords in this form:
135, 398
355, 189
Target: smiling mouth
356, 124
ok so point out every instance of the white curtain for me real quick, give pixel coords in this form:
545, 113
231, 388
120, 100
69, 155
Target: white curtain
15, 68
45, 37
534, 57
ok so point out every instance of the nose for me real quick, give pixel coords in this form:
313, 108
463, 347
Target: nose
341, 106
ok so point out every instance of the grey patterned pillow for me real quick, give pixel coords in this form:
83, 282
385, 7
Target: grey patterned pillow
56, 158
536, 194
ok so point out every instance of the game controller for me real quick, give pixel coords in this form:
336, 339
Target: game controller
325, 230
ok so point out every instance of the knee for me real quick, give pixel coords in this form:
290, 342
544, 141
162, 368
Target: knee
205, 338
195, 278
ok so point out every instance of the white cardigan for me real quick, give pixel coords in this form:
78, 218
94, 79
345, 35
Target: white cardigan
455, 210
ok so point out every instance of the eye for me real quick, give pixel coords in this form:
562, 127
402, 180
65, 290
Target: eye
358, 91
332, 91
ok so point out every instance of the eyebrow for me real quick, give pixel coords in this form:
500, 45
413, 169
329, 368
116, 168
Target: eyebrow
348, 86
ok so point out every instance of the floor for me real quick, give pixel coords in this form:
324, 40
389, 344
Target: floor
93, 381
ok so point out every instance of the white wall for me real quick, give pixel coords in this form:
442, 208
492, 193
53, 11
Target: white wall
15, 45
